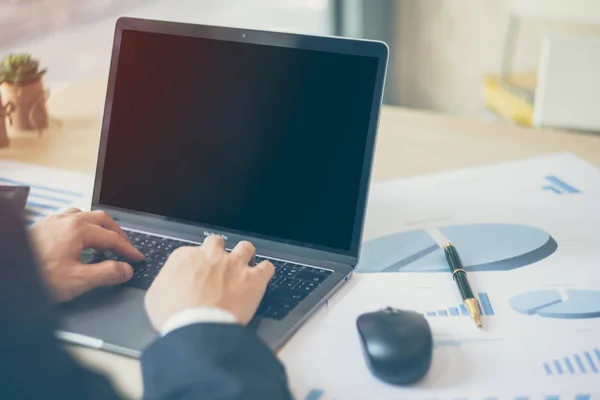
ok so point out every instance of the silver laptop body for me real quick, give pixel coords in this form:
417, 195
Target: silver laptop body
240, 82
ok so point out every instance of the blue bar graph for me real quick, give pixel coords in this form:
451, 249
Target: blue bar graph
485, 308
586, 362
51, 207
583, 397
522, 398
559, 186
43, 200
41, 187
52, 198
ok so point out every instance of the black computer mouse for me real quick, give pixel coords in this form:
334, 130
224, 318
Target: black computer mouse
397, 344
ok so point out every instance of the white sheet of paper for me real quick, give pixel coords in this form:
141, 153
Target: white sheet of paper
528, 233
52, 190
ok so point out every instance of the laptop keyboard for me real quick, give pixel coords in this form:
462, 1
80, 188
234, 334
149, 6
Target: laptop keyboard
289, 286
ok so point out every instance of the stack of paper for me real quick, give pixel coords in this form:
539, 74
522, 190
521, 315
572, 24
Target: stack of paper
51, 190
528, 235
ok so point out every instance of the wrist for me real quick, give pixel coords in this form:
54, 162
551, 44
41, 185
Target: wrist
197, 315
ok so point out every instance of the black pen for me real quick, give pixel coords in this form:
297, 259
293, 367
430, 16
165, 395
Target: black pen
460, 277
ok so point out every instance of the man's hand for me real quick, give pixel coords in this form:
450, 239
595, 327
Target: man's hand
208, 276
59, 242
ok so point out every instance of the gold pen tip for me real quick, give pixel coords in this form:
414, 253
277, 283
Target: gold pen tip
448, 244
473, 309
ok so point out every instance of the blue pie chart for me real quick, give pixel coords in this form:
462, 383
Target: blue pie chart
577, 304
482, 247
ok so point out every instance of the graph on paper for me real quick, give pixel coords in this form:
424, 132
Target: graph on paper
485, 308
558, 186
586, 362
43, 200
527, 233
482, 247
575, 304
320, 394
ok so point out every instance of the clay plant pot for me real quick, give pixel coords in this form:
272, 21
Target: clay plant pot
25, 105
3, 134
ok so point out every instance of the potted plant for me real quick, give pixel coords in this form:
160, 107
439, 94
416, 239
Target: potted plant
23, 93
3, 134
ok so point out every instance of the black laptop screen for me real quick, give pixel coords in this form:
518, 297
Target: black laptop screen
243, 137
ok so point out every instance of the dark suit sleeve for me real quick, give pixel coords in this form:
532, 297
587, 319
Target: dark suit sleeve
32, 364
212, 361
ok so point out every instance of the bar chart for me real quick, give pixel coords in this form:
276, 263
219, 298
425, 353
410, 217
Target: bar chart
485, 308
43, 201
586, 362
559, 186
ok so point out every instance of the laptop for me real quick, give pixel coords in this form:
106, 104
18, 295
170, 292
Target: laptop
251, 135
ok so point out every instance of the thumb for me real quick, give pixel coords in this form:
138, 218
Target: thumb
264, 272
108, 273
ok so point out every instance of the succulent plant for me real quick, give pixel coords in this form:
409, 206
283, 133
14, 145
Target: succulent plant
19, 69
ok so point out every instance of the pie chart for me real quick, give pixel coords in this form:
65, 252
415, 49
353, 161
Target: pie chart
482, 247
577, 304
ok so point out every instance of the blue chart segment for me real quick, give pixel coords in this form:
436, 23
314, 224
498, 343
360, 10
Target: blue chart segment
578, 304
43, 201
314, 394
482, 247
485, 308
559, 186
587, 362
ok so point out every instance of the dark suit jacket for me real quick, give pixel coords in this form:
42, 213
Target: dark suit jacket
201, 361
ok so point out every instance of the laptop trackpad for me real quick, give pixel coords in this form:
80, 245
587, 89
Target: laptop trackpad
114, 315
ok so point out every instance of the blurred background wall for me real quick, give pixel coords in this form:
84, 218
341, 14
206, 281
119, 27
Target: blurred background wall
446, 55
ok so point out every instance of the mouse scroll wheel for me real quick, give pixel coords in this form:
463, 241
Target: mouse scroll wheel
390, 310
